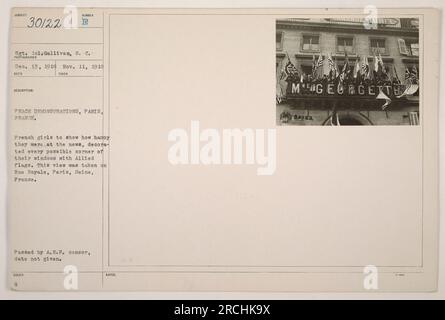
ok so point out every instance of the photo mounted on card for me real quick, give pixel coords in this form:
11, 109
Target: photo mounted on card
159, 149
335, 71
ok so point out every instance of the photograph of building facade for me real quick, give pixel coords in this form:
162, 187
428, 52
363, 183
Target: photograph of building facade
339, 71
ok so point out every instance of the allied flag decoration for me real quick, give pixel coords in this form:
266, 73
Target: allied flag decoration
355, 78
319, 67
342, 77
333, 69
410, 89
336, 69
411, 82
365, 68
414, 73
357, 74
376, 64
283, 74
381, 61
396, 75
383, 96
320, 61
330, 62
407, 74
279, 93
346, 64
313, 65
290, 68
356, 69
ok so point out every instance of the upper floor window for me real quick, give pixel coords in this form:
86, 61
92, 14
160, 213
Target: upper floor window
345, 44
409, 23
409, 47
311, 43
378, 45
279, 41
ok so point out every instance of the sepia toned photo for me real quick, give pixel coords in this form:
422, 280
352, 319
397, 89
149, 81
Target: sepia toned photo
122, 179
347, 71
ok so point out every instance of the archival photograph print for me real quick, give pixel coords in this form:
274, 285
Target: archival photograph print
347, 72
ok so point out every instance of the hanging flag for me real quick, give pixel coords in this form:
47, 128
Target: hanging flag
346, 64
342, 77
383, 96
283, 73
313, 65
407, 74
279, 93
380, 60
396, 75
410, 89
356, 69
320, 61
281, 85
371, 73
365, 68
330, 62
376, 63
410, 86
382, 70
336, 69
414, 73
290, 68
357, 73
318, 67
331, 67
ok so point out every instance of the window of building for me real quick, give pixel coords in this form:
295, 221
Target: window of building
409, 23
409, 47
306, 69
311, 43
414, 118
378, 45
345, 44
279, 41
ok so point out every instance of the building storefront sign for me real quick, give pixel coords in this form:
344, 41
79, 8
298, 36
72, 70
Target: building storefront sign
296, 89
